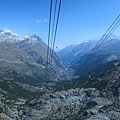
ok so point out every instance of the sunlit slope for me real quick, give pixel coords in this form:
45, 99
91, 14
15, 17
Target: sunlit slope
14, 60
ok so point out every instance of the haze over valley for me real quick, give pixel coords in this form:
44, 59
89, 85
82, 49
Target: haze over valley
59, 60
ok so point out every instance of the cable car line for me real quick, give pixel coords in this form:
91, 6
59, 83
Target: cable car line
53, 31
56, 29
101, 41
49, 37
109, 34
50, 50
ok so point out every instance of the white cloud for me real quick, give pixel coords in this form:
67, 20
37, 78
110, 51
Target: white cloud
37, 21
41, 21
45, 20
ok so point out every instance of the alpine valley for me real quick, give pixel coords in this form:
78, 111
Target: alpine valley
68, 92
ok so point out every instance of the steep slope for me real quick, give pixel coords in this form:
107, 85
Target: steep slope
14, 59
23, 66
35, 47
21, 76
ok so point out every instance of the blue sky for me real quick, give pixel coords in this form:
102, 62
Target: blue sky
80, 20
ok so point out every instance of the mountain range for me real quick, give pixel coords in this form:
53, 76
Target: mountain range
26, 56
105, 57
67, 92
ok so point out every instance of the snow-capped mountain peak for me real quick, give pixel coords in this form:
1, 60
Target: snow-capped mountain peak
6, 30
27, 36
32, 39
7, 35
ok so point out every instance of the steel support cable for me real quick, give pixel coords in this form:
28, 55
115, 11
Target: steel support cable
106, 37
53, 31
106, 33
49, 36
109, 35
98, 42
102, 42
80, 68
97, 45
56, 29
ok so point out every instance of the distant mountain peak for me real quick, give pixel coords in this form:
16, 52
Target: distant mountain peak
32, 39
113, 37
35, 37
27, 36
6, 30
